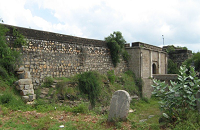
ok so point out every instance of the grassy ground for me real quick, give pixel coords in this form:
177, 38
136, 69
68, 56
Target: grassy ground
71, 119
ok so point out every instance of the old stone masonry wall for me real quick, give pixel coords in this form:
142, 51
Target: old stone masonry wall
56, 55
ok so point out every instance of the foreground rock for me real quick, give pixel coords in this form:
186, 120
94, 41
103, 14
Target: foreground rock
119, 106
24, 84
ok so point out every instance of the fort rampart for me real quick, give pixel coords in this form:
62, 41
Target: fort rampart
58, 55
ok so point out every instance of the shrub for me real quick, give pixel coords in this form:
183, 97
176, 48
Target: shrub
19, 39
48, 81
111, 76
10, 100
89, 84
115, 43
172, 67
178, 98
8, 57
81, 108
65, 90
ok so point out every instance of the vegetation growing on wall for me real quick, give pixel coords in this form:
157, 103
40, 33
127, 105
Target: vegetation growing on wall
171, 48
173, 67
19, 39
116, 43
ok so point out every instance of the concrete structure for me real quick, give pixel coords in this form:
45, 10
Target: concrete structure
146, 60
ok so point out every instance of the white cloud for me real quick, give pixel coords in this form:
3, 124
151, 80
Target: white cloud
144, 20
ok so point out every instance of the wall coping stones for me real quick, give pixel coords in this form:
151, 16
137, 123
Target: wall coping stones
50, 36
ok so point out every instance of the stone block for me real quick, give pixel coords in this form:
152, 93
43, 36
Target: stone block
31, 86
27, 75
32, 97
20, 87
119, 106
21, 69
24, 81
27, 92
26, 87
25, 98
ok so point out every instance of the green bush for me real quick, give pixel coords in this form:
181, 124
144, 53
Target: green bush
19, 39
81, 108
137, 81
3, 73
89, 84
115, 43
12, 101
111, 76
172, 67
65, 90
194, 61
8, 57
48, 81
179, 98
125, 55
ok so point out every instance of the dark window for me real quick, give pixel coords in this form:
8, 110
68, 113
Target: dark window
154, 68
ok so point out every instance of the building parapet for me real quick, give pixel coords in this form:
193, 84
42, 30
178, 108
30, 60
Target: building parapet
50, 36
146, 46
165, 76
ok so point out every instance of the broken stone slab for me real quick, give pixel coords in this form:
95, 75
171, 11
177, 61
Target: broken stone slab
32, 97
25, 98
27, 87
27, 92
27, 75
20, 87
119, 106
20, 69
24, 81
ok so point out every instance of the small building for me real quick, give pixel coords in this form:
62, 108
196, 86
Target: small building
145, 61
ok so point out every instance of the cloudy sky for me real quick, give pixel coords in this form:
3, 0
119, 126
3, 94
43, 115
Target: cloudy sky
138, 20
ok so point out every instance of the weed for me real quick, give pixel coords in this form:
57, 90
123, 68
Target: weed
111, 76
81, 108
48, 81
89, 83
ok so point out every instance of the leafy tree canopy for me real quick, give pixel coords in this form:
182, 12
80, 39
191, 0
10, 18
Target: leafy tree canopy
194, 61
116, 43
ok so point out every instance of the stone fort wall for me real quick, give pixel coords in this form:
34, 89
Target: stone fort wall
58, 55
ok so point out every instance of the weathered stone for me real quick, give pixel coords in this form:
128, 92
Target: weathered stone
20, 69
32, 97
37, 81
26, 87
27, 92
24, 81
27, 75
25, 98
20, 87
31, 86
119, 106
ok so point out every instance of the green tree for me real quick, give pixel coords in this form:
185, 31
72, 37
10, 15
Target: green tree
172, 67
8, 57
116, 43
194, 61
